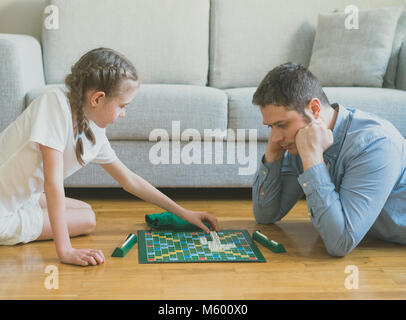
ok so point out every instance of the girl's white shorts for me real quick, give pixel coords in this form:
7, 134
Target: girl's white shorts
25, 225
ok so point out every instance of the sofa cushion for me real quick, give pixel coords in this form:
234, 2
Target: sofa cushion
248, 38
157, 106
242, 114
355, 57
386, 103
389, 104
389, 80
136, 155
401, 74
167, 40
161, 106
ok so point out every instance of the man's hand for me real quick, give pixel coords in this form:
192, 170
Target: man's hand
312, 141
273, 151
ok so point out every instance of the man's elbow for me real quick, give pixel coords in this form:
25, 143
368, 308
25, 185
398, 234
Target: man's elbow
340, 248
337, 253
265, 217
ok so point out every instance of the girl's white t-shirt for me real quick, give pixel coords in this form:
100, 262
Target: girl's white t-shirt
47, 121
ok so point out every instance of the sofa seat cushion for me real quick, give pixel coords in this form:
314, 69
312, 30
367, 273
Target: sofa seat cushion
136, 155
242, 114
159, 106
389, 104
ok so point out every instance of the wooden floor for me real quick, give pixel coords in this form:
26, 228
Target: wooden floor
306, 271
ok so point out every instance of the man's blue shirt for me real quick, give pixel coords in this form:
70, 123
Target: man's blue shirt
360, 187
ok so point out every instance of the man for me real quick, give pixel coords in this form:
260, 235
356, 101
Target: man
351, 165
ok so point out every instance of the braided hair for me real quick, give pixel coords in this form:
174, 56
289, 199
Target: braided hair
101, 69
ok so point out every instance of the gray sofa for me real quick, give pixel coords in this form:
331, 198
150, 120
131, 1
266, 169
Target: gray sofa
199, 62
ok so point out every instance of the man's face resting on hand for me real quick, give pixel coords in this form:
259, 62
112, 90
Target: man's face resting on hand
307, 135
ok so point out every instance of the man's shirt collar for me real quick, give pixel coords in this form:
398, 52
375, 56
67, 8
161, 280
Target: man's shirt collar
339, 131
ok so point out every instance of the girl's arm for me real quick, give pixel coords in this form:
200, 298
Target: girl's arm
55, 196
137, 186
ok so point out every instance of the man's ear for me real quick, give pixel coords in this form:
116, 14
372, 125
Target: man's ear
313, 108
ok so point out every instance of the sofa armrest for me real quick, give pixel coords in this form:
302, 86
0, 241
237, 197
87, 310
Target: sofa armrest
21, 69
401, 73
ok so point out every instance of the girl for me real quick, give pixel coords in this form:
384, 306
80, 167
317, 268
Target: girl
60, 132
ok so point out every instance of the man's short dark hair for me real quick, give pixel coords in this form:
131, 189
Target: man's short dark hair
290, 85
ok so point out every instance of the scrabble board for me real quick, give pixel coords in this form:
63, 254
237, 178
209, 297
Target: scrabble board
173, 246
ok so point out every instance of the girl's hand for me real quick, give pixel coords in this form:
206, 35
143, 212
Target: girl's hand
197, 218
83, 257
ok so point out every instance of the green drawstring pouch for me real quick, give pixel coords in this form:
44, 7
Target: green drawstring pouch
168, 221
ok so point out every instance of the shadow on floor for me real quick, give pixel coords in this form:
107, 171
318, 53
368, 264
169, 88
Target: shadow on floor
174, 193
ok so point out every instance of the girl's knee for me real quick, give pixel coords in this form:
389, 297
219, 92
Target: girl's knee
69, 202
90, 221
76, 204
86, 205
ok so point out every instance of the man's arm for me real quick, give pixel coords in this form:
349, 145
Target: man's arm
275, 190
343, 218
